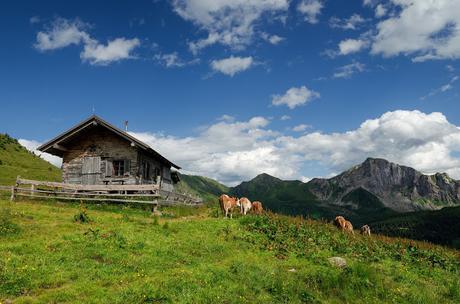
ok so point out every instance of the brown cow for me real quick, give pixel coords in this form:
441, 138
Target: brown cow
343, 224
245, 205
257, 207
366, 230
227, 203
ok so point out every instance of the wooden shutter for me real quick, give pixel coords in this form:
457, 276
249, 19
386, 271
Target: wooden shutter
108, 168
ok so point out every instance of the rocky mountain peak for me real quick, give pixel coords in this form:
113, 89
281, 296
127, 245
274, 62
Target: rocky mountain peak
399, 187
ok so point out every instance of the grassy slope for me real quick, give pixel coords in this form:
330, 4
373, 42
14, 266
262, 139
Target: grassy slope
16, 160
126, 256
206, 188
288, 197
441, 226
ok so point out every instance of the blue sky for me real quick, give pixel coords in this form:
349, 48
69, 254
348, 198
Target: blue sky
231, 88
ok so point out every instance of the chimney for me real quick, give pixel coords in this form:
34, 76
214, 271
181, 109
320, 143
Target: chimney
126, 126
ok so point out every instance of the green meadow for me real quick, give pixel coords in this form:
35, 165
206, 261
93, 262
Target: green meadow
52, 252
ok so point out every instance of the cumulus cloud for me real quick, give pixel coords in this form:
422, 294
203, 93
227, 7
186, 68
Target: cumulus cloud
351, 23
63, 33
426, 142
115, 50
348, 70
172, 60
425, 29
228, 151
295, 97
350, 46
232, 65
310, 9
285, 117
380, 11
32, 145
228, 22
301, 128
273, 39
232, 151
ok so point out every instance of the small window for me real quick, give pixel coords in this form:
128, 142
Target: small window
118, 167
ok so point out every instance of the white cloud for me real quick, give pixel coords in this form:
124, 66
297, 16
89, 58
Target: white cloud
226, 151
423, 141
301, 128
426, 29
63, 33
227, 118
305, 179
348, 70
273, 39
350, 46
172, 60
32, 145
234, 151
369, 2
310, 9
351, 23
229, 22
295, 97
380, 11
115, 50
285, 117
444, 88
232, 65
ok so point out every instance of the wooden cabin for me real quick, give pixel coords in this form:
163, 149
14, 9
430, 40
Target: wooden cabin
96, 152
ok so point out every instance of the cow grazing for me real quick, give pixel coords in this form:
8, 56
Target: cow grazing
245, 205
227, 204
343, 224
257, 207
366, 230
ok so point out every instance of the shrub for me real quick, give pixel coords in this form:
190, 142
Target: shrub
82, 216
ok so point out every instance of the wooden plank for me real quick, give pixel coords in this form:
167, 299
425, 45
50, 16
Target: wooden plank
88, 199
24, 190
149, 187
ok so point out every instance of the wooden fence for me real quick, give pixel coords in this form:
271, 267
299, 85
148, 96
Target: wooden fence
141, 194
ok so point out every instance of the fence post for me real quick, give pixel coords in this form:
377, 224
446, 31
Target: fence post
13, 192
13, 188
32, 189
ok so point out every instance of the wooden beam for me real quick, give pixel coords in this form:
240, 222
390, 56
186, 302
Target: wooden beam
60, 148
78, 187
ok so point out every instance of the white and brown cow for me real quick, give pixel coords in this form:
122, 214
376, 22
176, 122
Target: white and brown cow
257, 207
245, 205
227, 204
366, 230
343, 224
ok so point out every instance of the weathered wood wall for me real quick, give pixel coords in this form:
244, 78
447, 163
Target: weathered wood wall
99, 142
155, 167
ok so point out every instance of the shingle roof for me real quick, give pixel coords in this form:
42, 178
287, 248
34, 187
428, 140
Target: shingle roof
49, 146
